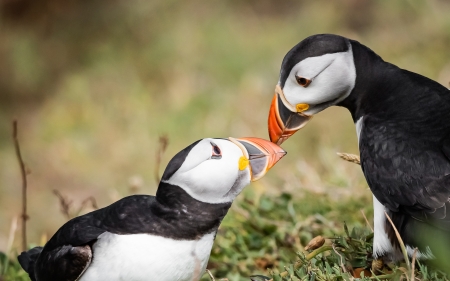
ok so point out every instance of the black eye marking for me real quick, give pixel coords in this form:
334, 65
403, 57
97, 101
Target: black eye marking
302, 81
216, 152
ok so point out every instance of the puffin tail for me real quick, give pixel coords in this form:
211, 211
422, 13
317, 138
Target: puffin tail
28, 259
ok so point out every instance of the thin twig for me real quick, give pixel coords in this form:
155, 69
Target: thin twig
400, 241
349, 157
163, 143
210, 275
84, 203
367, 221
24, 187
64, 204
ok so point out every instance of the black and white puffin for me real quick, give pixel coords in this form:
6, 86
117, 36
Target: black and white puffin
166, 237
403, 126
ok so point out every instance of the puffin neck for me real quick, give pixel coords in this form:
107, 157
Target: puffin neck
174, 203
373, 74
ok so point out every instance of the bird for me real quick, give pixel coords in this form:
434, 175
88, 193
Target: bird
402, 122
167, 237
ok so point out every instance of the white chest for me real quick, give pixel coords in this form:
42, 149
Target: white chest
140, 257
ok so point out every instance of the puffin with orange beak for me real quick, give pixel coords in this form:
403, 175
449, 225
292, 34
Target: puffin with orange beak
167, 237
402, 122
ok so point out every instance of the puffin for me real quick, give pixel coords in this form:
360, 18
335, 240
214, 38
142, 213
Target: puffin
402, 122
167, 237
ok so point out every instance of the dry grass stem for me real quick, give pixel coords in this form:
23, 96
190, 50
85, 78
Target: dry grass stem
210, 275
349, 157
24, 186
12, 234
341, 259
400, 241
367, 221
163, 143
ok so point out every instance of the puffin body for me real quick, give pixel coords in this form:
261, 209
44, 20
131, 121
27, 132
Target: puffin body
165, 237
170, 260
403, 126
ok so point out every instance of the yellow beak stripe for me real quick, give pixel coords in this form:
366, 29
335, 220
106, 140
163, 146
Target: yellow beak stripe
243, 163
302, 107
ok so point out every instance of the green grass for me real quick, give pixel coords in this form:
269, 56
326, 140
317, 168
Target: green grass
10, 269
266, 232
266, 236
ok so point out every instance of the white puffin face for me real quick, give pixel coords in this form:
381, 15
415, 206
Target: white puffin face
209, 176
316, 83
216, 170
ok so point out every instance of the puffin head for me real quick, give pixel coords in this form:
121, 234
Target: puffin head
216, 170
316, 73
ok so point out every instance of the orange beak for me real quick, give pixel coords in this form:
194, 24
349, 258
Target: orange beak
284, 120
262, 154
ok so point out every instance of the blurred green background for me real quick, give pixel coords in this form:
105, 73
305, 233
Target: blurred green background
93, 84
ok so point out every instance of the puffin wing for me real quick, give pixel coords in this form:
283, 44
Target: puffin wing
409, 174
65, 263
68, 254
27, 260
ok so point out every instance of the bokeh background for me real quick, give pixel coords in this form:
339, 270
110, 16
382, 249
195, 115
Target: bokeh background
94, 84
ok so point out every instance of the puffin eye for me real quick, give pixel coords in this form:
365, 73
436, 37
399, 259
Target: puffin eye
302, 81
216, 153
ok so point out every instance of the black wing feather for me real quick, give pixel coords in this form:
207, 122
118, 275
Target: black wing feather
406, 172
27, 260
68, 253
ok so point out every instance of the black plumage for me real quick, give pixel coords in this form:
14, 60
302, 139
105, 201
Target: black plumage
405, 141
